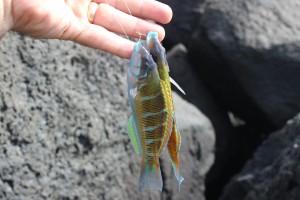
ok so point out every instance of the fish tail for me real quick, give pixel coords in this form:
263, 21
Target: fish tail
177, 174
150, 177
173, 147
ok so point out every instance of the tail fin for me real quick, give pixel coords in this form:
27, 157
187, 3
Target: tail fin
150, 177
174, 144
178, 176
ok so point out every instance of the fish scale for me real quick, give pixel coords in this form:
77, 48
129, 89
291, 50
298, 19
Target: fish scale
155, 105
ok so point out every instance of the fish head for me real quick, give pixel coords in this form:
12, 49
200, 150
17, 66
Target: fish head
141, 65
158, 53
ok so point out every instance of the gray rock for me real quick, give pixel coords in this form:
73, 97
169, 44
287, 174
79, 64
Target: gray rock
63, 117
248, 53
274, 171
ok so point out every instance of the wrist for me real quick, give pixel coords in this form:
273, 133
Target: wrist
6, 21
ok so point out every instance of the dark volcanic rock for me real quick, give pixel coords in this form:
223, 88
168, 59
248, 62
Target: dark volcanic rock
249, 54
63, 117
197, 93
274, 172
234, 145
186, 15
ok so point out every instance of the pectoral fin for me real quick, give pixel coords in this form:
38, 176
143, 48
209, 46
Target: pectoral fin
133, 135
176, 85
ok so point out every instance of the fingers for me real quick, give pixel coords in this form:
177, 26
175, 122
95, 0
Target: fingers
99, 38
145, 9
107, 19
114, 20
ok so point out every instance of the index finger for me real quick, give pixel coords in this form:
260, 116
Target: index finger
145, 9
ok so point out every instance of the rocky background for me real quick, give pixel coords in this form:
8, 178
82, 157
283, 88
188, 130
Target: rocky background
63, 127
245, 58
64, 110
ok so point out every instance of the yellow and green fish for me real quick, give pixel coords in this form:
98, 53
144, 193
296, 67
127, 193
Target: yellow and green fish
152, 125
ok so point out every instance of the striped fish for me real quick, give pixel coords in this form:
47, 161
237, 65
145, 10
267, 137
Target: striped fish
152, 125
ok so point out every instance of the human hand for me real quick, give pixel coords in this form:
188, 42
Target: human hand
67, 20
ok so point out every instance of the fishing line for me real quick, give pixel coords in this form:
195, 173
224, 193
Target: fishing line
117, 19
127, 7
115, 16
138, 31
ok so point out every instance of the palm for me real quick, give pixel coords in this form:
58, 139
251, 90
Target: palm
67, 19
50, 18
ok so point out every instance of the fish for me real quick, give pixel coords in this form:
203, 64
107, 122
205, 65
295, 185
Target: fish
152, 125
